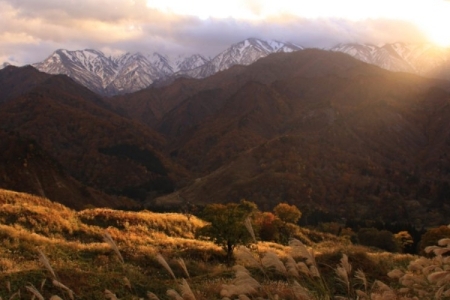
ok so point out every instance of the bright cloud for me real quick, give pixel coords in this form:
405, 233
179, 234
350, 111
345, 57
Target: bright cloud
31, 30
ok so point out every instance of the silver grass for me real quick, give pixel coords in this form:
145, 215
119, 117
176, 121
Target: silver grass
419, 264
244, 255
109, 240
361, 294
174, 294
110, 295
345, 264
304, 268
314, 271
186, 291
127, 283
382, 286
300, 292
271, 260
359, 274
429, 249
396, 273
248, 225
300, 250
166, 266
444, 242
242, 284
439, 292
43, 283
183, 266
343, 276
343, 271
43, 259
152, 296
441, 251
62, 286
436, 277
291, 266
34, 291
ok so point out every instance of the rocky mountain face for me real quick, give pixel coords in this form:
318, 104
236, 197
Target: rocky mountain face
422, 59
242, 53
132, 72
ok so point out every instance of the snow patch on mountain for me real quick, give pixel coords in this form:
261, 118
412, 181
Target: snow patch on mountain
129, 72
422, 59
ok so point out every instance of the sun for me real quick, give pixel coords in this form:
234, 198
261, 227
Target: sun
437, 30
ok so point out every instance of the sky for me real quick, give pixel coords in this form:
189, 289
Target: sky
30, 30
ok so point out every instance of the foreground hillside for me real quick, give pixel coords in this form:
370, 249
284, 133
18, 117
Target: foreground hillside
50, 249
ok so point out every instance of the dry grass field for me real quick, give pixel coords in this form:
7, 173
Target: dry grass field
49, 251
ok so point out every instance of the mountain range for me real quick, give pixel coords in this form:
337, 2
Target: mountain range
336, 136
108, 75
422, 59
132, 72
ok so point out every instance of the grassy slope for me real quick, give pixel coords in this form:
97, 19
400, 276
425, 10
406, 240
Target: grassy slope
73, 243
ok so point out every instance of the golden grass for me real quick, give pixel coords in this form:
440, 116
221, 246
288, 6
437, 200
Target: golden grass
41, 239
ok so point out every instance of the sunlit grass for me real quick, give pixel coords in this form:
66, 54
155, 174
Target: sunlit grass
143, 246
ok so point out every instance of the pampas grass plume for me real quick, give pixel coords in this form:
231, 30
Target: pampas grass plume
183, 266
300, 292
127, 283
110, 295
34, 291
108, 239
166, 266
186, 291
43, 259
246, 257
271, 260
152, 296
62, 286
291, 266
248, 225
174, 294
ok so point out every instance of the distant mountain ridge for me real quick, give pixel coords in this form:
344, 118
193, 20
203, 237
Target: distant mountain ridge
114, 75
108, 75
422, 59
132, 72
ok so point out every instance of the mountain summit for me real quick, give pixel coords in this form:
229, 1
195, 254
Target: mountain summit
132, 72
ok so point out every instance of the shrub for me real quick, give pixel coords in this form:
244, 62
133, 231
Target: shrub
381, 239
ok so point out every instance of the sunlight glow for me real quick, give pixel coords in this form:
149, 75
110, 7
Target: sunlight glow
430, 16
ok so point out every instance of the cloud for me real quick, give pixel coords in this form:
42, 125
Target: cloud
32, 30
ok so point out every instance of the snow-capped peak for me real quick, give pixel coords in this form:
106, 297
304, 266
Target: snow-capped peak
130, 72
